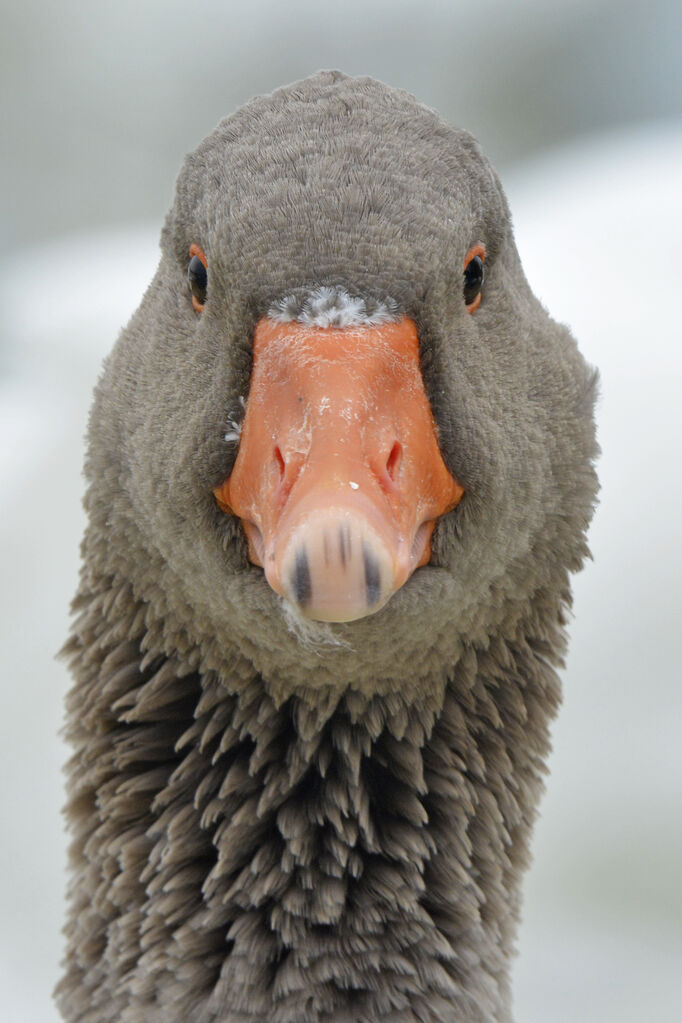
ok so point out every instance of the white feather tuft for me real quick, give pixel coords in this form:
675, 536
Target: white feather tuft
333, 307
317, 637
234, 433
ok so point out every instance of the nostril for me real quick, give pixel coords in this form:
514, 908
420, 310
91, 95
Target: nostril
288, 469
393, 460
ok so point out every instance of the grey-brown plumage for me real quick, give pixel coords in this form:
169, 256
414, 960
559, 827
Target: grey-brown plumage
272, 829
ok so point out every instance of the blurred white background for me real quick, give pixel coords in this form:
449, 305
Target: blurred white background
578, 104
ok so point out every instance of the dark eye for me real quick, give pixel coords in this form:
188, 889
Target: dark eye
474, 273
197, 277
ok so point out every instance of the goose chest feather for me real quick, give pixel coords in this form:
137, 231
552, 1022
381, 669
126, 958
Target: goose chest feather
340, 468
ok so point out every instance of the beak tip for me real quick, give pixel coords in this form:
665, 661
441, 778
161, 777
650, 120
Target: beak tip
335, 568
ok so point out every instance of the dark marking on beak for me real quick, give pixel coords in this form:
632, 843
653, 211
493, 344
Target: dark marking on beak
326, 549
342, 546
300, 581
372, 576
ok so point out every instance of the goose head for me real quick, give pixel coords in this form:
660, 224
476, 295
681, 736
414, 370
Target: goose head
341, 439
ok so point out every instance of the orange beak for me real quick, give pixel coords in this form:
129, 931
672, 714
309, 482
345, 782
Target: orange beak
339, 479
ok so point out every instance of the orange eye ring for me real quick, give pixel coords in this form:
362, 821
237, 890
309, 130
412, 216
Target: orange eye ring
197, 278
473, 277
